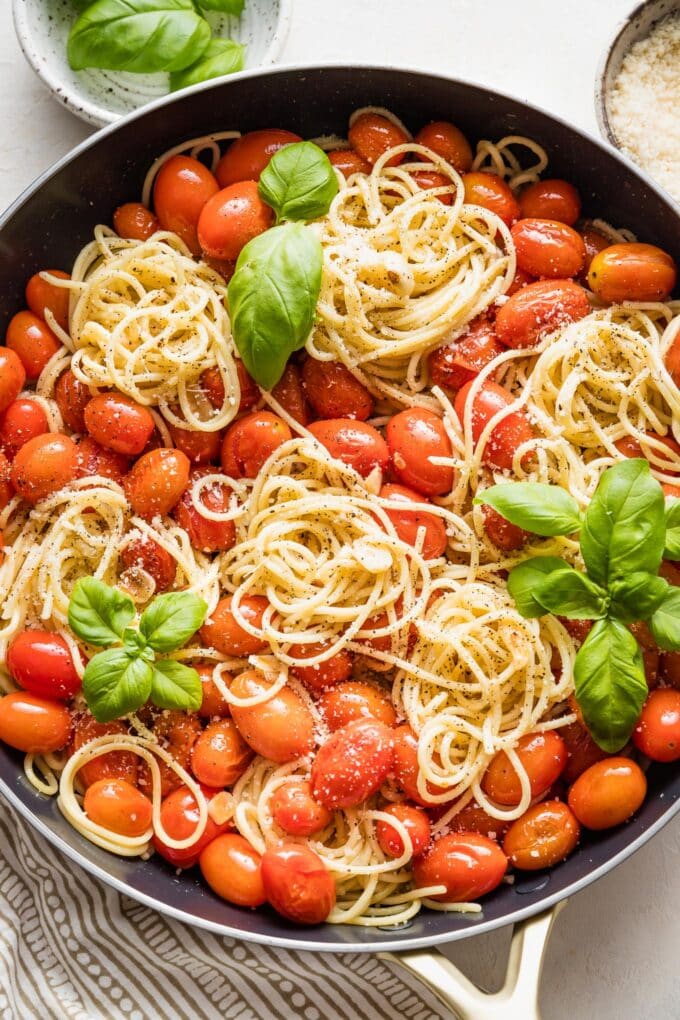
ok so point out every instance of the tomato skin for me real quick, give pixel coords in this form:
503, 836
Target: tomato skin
657, 733
118, 423
349, 162
416, 823
427, 179
331, 671
33, 341
551, 199
211, 383
492, 193
548, 248
72, 398
233, 870
473, 818
352, 764
94, 459
118, 806
44, 465
32, 724
371, 135
594, 242
281, 728
231, 218
223, 632
582, 751
145, 553
220, 756
469, 865
333, 392
134, 220
12, 377
458, 362
181, 189
608, 793
544, 835
179, 818
407, 522
508, 434
628, 446
538, 309
113, 764
297, 884
406, 763
6, 490
247, 156
204, 534
41, 663
41, 295
503, 534
250, 441
543, 755
199, 447
356, 444
24, 419
156, 482
672, 360
177, 732
290, 394
296, 812
413, 437
632, 272
355, 699
213, 704
447, 141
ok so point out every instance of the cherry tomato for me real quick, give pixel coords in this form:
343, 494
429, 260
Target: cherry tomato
503, 534
94, 459
594, 242
24, 419
33, 341
548, 248
112, 764
416, 823
176, 732
290, 393
72, 398
204, 534
231, 218
333, 392
469, 865
510, 432
608, 793
223, 632
353, 763
297, 884
246, 158
551, 199
447, 141
212, 384
427, 179
280, 728
213, 703
632, 272
355, 699
118, 423
407, 523
414, 436
372, 135
200, 447
233, 870
657, 733
296, 812
355, 443
543, 755
6, 490
324, 674
118, 806
473, 818
492, 193
628, 446
156, 482
250, 441
672, 360
582, 751
134, 220
180, 818
220, 756
146, 554
544, 835
456, 363
32, 724
539, 309
181, 189
41, 296
406, 767
519, 280
349, 162
12, 377
44, 465
41, 663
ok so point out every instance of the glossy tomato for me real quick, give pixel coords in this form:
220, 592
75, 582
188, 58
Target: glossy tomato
32, 341
356, 699
246, 158
44, 465
117, 805
118, 423
233, 870
467, 864
543, 756
632, 272
41, 663
249, 442
297, 884
156, 482
220, 756
44, 296
145, 554
657, 733
608, 793
457, 362
334, 670
134, 220
281, 727
12, 377
24, 419
447, 141
492, 193
538, 309
296, 812
508, 434
72, 397
231, 218
371, 135
34, 725
548, 248
551, 199
223, 632
415, 437
181, 189
355, 443
333, 392
542, 837
180, 819
410, 522
416, 823
352, 764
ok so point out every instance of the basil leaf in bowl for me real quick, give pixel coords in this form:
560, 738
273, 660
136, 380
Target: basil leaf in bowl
222, 56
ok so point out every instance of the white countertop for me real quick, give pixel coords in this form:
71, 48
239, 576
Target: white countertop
613, 954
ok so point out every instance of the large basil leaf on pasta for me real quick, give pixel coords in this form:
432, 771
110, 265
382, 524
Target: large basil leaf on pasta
672, 549
97, 613
175, 685
572, 594
545, 510
637, 596
172, 619
272, 298
223, 56
665, 621
525, 579
116, 683
299, 182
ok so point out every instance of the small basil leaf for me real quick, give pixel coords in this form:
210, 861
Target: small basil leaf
610, 684
542, 509
665, 621
175, 685
272, 298
299, 182
223, 56
623, 527
672, 549
637, 596
97, 613
133, 642
115, 684
525, 579
226, 6
172, 619
571, 594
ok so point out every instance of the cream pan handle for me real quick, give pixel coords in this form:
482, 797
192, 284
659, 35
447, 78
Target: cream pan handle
516, 1000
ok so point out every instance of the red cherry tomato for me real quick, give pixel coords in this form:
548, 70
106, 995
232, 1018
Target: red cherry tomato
447, 141
297, 884
333, 392
41, 663
473, 818
72, 398
349, 162
177, 732
118, 806
280, 728
6, 490
32, 341
32, 724
181, 189
582, 751
594, 242
44, 465
355, 443
672, 360
427, 179
94, 459
371, 135
519, 280
469, 865
231, 218
205, 534
543, 756
492, 193
12, 377
157, 481
511, 431
538, 309
290, 394
551, 199
355, 699
246, 158
324, 674
608, 793
180, 818
42, 296
548, 248
135, 221
416, 823
632, 272
112, 764
233, 870
353, 764
213, 703
503, 534
146, 554
456, 363
406, 767
223, 632
407, 523
250, 441
296, 812
212, 384
24, 419
118, 423
200, 447
220, 756
414, 437
630, 447
657, 733
542, 837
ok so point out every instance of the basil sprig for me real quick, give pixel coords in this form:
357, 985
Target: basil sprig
624, 534
299, 182
122, 678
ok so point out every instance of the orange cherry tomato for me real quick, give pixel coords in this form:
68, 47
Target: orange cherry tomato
538, 309
44, 465
353, 763
176, 732
542, 837
349, 162
32, 341
200, 447
246, 158
372, 135
72, 398
146, 554
657, 733
503, 534
112, 764
324, 674
94, 459
296, 812
551, 199
157, 481
407, 523
548, 248
290, 393
473, 818
231, 218
41, 296
414, 436
118, 806
233, 870
594, 242
355, 699
204, 534
632, 272
355, 443
427, 179
134, 220
24, 419
220, 756
406, 763
628, 446
180, 818
42, 664
543, 756
458, 362
181, 189
223, 632
34, 725
280, 728
492, 193
333, 392
416, 823
12, 377
213, 703
250, 441
510, 432
6, 490
469, 865
297, 884
608, 793
118, 423
212, 384
447, 141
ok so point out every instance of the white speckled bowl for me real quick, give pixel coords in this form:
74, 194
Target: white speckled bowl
101, 97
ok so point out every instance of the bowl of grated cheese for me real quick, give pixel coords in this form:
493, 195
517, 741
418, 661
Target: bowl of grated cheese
637, 96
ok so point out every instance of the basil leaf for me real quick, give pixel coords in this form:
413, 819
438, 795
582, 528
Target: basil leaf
672, 548
226, 6
223, 56
665, 621
175, 685
138, 35
623, 527
571, 594
80, 5
272, 298
115, 684
299, 182
172, 619
611, 688
545, 510
525, 579
637, 596
97, 613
